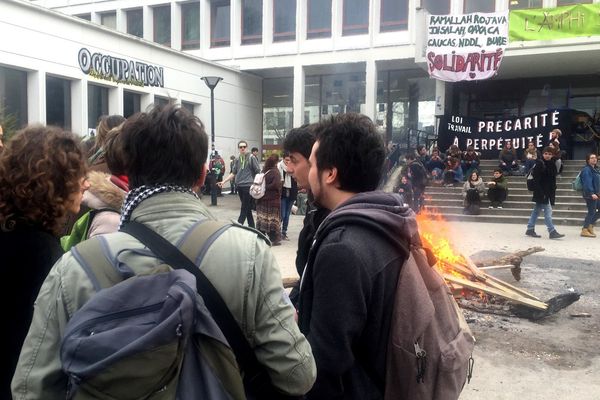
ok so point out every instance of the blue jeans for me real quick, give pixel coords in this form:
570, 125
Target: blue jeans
547, 216
286, 210
592, 214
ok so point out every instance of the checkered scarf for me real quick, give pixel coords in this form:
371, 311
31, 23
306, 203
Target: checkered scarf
139, 194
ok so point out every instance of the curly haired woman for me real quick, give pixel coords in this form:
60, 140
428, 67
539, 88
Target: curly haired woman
42, 179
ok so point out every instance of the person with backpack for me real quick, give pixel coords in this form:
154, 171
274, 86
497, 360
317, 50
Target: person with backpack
348, 286
42, 179
245, 168
268, 207
164, 229
544, 194
590, 187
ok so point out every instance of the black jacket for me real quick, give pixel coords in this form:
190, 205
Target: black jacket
544, 181
27, 255
347, 292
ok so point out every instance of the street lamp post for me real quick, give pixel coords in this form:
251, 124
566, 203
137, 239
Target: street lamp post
211, 82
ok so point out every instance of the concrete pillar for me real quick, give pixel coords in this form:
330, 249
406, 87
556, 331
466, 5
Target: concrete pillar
267, 23
371, 89
79, 107
440, 97
36, 97
115, 100
236, 24
298, 102
146, 101
121, 20
148, 23
96, 18
176, 26
204, 25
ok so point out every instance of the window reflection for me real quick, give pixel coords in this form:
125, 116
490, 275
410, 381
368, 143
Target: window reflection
220, 23
190, 26
284, 20
251, 21
356, 17
162, 25
319, 19
277, 109
135, 22
327, 95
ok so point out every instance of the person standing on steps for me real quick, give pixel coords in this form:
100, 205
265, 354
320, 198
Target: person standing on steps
590, 180
544, 194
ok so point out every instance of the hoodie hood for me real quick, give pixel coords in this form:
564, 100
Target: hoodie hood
102, 192
380, 211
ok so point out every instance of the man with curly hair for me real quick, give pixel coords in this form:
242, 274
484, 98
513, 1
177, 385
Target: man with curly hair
42, 179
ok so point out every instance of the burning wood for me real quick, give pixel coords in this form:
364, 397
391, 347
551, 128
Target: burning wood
471, 284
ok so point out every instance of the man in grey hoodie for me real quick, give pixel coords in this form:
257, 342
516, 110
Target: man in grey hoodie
348, 288
244, 169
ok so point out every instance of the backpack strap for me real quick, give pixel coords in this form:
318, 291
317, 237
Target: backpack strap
94, 261
202, 234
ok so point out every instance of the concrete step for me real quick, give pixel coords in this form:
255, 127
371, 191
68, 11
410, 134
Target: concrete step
509, 204
512, 189
514, 212
516, 197
458, 216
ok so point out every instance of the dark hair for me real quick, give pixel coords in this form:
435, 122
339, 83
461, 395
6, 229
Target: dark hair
587, 157
420, 147
470, 148
471, 174
254, 149
299, 140
271, 162
409, 155
165, 145
549, 149
40, 169
350, 142
113, 153
499, 170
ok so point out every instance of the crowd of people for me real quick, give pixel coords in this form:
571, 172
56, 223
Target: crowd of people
328, 338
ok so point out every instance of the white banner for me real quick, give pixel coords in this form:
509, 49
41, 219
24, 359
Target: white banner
466, 47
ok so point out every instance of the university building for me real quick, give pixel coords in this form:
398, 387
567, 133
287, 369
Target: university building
309, 59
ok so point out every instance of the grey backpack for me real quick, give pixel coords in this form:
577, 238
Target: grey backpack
147, 336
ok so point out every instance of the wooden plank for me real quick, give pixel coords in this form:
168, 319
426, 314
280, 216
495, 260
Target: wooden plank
513, 288
507, 266
498, 292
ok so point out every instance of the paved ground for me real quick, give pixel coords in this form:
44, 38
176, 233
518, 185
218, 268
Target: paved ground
516, 358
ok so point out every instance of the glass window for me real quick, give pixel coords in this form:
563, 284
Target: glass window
570, 2
437, 7
319, 19
131, 103
109, 19
356, 17
135, 22
523, 4
13, 99
162, 25
284, 20
487, 6
87, 17
161, 101
190, 26
251, 21
277, 109
220, 23
327, 95
58, 102
188, 106
394, 15
97, 104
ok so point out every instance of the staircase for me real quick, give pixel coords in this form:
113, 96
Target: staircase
570, 208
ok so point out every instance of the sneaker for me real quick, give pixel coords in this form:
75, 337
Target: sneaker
490, 206
499, 206
285, 237
531, 232
555, 235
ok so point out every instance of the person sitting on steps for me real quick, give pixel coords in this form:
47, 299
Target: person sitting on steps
497, 189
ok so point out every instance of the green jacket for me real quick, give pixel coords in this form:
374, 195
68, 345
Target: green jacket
239, 264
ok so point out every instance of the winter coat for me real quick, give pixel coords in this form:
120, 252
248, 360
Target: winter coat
347, 293
590, 179
478, 185
501, 183
27, 255
238, 263
544, 181
435, 163
103, 195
